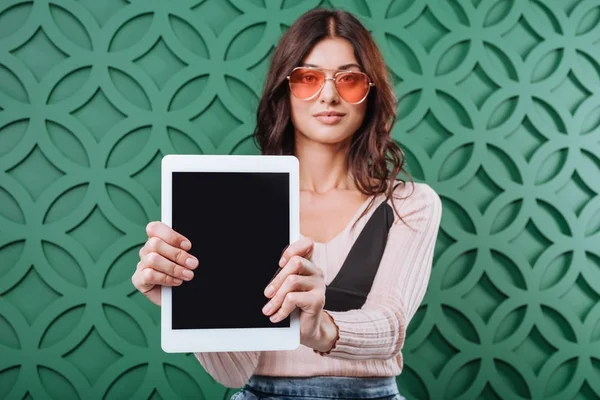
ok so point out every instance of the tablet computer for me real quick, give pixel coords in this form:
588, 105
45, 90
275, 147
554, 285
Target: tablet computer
239, 212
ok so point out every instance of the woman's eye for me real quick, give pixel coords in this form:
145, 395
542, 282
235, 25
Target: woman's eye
308, 78
347, 78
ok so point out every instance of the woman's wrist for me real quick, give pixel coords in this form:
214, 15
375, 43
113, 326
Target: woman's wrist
328, 334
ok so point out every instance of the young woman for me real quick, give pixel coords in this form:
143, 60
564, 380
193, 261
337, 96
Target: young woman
361, 268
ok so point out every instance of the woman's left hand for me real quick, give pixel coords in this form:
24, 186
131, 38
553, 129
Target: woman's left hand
301, 284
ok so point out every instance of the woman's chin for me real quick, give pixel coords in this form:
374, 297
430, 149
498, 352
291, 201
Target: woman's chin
328, 136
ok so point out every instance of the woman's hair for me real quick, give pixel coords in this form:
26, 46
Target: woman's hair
374, 159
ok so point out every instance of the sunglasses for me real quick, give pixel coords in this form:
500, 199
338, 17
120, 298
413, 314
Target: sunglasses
307, 82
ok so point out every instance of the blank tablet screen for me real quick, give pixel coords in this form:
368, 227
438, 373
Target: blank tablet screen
239, 225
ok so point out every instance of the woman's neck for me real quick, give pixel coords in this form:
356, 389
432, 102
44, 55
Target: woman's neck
323, 167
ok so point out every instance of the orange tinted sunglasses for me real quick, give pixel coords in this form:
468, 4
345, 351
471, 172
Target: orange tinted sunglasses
307, 82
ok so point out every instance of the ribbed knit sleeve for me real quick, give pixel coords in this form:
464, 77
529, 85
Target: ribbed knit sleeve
230, 369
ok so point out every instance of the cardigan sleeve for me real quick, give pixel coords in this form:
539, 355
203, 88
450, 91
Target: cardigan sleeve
377, 330
230, 369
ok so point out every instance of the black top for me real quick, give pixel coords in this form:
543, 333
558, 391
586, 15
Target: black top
351, 286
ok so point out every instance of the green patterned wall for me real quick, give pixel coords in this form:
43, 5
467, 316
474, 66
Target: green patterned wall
499, 111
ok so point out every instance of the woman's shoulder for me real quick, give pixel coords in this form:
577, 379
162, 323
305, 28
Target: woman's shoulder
409, 197
414, 192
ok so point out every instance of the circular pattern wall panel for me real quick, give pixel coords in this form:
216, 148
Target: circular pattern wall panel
499, 111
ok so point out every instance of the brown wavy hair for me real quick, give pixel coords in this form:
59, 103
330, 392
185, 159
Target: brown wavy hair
374, 158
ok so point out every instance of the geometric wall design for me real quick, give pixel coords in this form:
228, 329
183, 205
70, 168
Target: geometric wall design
499, 111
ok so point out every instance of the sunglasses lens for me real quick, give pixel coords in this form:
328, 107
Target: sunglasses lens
352, 86
305, 83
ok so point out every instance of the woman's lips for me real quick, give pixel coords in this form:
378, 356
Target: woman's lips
329, 118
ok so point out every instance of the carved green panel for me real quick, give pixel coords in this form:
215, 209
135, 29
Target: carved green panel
499, 111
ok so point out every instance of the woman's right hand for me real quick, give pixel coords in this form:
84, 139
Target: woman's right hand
164, 261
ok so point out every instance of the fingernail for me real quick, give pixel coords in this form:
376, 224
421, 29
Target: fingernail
282, 262
274, 318
266, 308
187, 274
191, 262
177, 281
269, 291
185, 245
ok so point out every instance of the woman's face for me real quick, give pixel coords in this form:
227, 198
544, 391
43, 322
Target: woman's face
331, 54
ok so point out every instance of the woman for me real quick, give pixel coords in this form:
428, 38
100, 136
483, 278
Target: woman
328, 101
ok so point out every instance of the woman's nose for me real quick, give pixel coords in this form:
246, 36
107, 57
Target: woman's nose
329, 93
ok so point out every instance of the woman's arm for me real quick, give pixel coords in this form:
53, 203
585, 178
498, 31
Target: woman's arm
230, 369
377, 330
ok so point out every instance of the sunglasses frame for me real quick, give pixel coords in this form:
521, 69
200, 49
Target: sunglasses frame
371, 84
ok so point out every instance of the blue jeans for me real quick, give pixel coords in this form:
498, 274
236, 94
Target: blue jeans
320, 387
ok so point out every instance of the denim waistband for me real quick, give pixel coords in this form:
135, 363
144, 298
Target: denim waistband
331, 387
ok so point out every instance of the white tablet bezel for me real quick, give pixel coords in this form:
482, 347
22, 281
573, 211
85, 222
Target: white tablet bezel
239, 339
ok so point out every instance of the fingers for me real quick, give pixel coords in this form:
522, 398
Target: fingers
168, 235
302, 248
164, 261
305, 301
156, 261
144, 279
293, 283
295, 266
300, 284
175, 254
